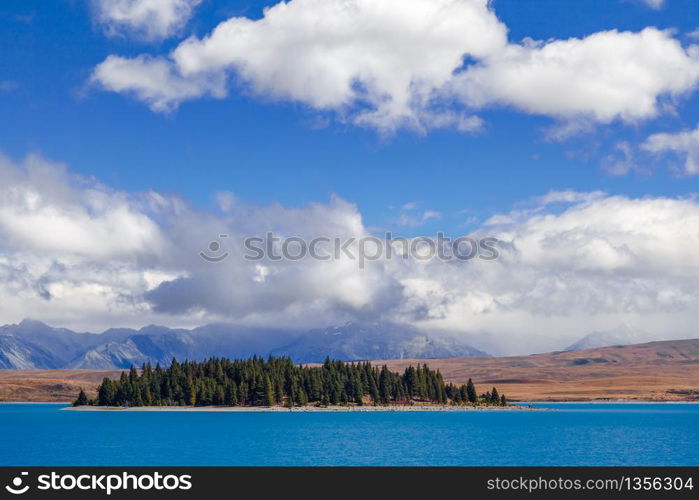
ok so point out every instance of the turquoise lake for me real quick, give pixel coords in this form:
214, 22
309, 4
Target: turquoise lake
571, 434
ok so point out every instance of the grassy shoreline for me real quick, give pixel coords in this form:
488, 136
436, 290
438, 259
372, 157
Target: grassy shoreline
304, 409
513, 403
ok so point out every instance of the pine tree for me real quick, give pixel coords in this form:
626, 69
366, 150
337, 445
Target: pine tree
471, 392
384, 385
464, 394
106, 393
410, 377
147, 396
357, 388
243, 393
231, 396
219, 395
190, 392
302, 397
136, 399
82, 399
374, 389
268, 399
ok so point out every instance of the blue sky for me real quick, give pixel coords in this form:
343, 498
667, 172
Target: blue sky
134, 132
280, 151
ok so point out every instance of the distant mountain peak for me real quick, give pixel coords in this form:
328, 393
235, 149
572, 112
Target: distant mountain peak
32, 323
356, 341
625, 334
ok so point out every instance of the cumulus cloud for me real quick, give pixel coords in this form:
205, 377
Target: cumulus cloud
42, 208
154, 81
71, 247
77, 253
683, 144
383, 57
150, 19
605, 76
422, 64
602, 261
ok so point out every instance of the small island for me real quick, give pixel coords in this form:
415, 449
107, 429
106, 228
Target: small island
277, 382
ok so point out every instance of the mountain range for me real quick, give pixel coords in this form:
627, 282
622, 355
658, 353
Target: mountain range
34, 345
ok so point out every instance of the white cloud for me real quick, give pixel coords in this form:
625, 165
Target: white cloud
568, 196
684, 144
605, 76
78, 254
42, 208
621, 161
331, 54
389, 64
602, 261
72, 250
431, 214
150, 19
377, 62
411, 216
154, 81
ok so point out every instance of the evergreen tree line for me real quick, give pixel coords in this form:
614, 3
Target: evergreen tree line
278, 381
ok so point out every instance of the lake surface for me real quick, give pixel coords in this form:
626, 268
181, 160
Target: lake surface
572, 434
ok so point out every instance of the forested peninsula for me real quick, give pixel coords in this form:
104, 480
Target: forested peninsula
277, 381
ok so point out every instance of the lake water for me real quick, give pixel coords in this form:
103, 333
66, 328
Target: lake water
573, 434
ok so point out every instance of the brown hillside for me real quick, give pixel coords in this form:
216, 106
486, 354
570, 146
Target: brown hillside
667, 370
49, 385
